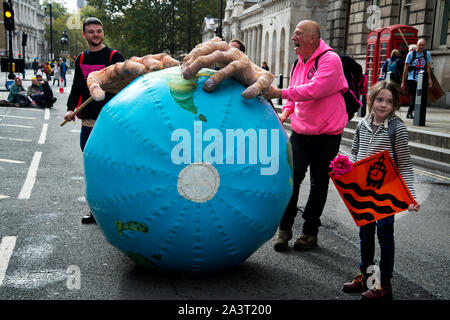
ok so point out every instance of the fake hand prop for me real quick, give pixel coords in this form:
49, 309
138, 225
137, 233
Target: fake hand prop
117, 76
233, 63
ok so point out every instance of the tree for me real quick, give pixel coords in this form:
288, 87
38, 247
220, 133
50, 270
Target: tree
139, 27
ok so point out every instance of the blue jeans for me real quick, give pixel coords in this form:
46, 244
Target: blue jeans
385, 234
84, 136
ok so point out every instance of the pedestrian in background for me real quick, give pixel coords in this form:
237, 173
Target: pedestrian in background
63, 70
416, 60
56, 73
97, 57
316, 107
265, 66
372, 137
238, 44
394, 65
48, 71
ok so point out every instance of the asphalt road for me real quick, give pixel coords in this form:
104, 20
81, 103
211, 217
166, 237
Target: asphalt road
46, 253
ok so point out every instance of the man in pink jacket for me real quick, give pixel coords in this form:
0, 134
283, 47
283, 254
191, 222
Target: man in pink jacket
318, 116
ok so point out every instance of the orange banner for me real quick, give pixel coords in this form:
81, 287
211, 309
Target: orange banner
374, 189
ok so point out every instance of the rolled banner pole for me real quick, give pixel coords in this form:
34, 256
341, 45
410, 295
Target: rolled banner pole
84, 104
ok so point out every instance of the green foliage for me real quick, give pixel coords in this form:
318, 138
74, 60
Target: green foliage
140, 27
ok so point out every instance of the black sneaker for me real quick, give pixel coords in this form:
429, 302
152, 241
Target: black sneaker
89, 218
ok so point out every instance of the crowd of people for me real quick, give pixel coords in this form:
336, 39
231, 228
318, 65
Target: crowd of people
317, 111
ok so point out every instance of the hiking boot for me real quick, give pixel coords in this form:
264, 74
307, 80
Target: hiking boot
358, 284
385, 293
305, 242
281, 243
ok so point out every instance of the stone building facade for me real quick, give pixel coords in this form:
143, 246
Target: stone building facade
29, 19
266, 27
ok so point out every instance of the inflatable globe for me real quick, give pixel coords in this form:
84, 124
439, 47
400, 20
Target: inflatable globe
184, 180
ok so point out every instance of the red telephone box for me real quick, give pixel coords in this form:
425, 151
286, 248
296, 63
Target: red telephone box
398, 37
373, 43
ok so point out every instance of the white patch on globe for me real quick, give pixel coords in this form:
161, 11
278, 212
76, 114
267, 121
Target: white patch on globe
198, 182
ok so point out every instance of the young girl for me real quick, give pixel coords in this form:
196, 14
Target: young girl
373, 138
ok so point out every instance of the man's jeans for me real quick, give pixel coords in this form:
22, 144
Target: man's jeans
315, 152
385, 234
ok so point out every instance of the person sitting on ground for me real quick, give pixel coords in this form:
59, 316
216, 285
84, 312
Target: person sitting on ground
36, 93
49, 98
17, 94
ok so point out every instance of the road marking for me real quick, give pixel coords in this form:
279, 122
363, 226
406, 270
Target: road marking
23, 140
3, 197
11, 161
43, 133
433, 175
17, 117
77, 131
25, 193
16, 125
47, 114
27, 109
6, 248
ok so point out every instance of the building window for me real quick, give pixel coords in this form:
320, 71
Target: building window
441, 23
406, 10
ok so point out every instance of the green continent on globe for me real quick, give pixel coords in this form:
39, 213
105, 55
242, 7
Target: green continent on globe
131, 225
141, 260
182, 90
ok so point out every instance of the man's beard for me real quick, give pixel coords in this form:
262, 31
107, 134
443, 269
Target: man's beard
95, 42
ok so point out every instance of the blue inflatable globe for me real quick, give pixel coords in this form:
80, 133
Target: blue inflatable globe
184, 180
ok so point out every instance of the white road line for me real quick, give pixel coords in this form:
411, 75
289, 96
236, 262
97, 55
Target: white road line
11, 161
23, 140
16, 125
17, 117
3, 197
6, 249
47, 114
26, 109
43, 133
25, 193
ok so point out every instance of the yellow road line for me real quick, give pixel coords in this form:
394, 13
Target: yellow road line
436, 176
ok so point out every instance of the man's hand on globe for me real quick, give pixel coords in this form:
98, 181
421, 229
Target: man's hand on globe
117, 76
233, 63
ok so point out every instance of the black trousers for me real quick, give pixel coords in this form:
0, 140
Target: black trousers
315, 152
412, 87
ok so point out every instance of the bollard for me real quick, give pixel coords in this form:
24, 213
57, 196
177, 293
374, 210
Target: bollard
420, 108
280, 86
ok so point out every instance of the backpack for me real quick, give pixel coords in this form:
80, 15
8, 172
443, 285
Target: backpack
357, 82
392, 130
414, 68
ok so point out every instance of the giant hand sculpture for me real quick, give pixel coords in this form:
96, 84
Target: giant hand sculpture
233, 62
117, 76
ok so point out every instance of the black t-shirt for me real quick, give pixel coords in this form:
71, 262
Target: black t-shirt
92, 61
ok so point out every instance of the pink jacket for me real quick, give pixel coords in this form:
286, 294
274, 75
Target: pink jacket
315, 96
